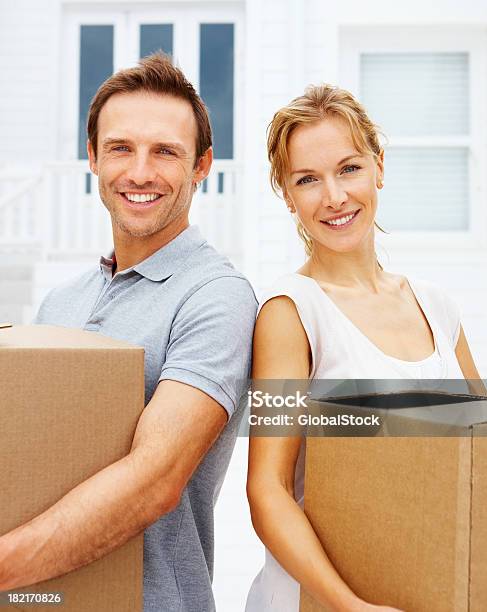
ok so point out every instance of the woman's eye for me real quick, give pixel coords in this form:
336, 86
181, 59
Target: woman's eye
304, 180
349, 169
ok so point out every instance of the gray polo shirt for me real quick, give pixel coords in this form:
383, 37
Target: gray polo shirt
194, 315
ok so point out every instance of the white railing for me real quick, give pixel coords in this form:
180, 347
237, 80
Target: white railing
19, 193
217, 209
58, 211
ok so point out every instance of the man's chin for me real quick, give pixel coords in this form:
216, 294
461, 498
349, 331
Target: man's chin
135, 230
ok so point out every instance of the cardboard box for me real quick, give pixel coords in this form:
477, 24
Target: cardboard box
403, 519
70, 401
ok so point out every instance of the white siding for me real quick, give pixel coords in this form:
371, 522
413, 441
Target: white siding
28, 80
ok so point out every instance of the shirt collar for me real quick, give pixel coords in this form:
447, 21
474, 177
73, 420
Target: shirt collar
163, 263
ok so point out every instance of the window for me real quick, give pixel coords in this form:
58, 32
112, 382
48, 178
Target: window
156, 37
95, 65
216, 83
424, 87
202, 40
417, 98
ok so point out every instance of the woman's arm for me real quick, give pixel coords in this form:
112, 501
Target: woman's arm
281, 351
467, 365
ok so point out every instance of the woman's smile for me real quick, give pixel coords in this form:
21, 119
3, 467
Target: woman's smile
341, 222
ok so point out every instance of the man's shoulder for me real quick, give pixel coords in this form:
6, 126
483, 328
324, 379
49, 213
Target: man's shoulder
64, 295
207, 270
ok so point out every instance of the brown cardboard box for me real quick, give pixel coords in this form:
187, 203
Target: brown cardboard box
69, 403
403, 519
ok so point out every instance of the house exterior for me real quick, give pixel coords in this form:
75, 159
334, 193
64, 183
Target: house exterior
420, 68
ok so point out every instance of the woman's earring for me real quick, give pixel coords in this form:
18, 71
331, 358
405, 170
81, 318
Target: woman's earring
380, 184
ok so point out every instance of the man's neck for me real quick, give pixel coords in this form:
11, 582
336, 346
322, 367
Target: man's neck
131, 250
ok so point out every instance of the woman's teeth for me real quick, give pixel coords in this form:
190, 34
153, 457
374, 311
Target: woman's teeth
341, 220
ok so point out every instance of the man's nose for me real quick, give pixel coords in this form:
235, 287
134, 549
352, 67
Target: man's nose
141, 170
334, 195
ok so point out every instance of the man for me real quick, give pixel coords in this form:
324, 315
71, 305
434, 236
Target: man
165, 288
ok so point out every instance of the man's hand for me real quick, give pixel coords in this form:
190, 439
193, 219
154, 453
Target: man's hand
174, 432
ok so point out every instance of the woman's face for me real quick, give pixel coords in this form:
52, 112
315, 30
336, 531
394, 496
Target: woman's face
331, 186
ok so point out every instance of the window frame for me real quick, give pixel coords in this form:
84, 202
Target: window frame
358, 40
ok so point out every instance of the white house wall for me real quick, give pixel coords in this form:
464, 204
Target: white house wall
29, 33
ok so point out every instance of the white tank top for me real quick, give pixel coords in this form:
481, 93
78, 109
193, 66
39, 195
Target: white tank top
339, 350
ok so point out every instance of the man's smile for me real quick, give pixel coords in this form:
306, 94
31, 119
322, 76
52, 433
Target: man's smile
140, 200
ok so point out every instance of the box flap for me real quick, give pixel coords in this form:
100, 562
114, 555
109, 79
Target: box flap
53, 337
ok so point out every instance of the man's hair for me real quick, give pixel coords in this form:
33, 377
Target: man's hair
154, 74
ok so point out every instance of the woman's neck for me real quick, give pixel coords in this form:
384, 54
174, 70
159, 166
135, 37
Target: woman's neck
355, 269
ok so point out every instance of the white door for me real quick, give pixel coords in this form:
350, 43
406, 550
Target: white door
205, 44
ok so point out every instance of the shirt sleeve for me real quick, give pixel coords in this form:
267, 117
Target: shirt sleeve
210, 343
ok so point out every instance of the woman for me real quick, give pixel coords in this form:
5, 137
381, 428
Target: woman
340, 316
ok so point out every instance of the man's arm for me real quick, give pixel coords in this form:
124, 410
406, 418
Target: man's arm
173, 434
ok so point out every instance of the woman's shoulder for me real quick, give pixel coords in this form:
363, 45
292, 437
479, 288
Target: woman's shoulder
430, 291
439, 304
293, 285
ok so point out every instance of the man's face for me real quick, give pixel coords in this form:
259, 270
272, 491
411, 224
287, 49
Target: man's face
145, 161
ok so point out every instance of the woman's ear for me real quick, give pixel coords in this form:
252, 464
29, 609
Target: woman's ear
289, 203
380, 170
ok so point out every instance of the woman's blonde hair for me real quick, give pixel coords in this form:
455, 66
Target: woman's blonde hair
318, 102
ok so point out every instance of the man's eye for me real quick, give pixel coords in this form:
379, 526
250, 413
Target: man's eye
305, 179
165, 151
120, 148
349, 169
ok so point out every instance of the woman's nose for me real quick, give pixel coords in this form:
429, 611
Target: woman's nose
334, 196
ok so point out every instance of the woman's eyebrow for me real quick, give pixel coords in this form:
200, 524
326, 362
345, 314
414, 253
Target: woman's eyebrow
304, 170
348, 158
342, 161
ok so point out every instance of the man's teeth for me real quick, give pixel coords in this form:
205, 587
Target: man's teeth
341, 220
141, 197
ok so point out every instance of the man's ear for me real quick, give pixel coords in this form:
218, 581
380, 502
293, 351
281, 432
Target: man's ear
92, 158
203, 165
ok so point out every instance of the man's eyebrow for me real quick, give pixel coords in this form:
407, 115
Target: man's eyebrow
342, 161
111, 141
170, 145
173, 145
